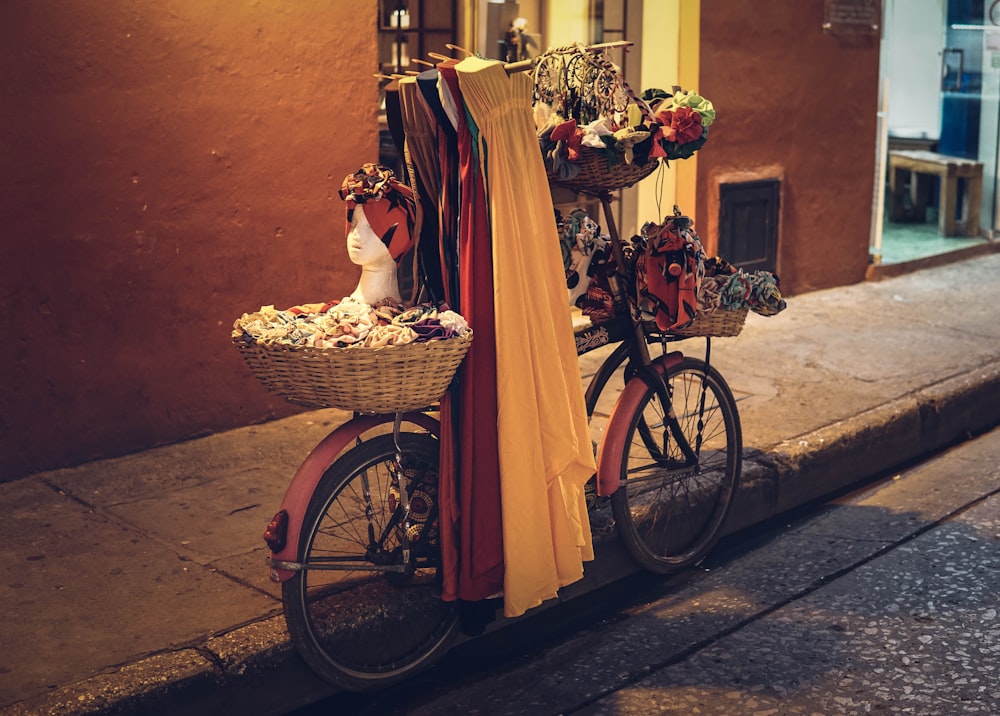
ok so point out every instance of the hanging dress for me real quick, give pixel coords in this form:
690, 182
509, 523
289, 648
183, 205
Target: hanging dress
544, 447
420, 128
480, 533
447, 197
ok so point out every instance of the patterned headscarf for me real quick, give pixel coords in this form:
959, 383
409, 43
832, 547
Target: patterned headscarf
389, 206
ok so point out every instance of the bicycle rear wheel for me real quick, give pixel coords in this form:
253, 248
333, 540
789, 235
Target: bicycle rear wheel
670, 506
361, 614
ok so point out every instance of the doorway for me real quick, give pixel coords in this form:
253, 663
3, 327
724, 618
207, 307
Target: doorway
939, 85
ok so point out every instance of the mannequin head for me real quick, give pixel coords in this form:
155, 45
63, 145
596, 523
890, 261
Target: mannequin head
380, 219
389, 208
364, 246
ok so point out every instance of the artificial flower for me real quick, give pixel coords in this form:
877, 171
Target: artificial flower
681, 125
627, 138
696, 102
569, 133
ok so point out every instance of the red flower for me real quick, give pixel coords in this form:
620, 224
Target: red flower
568, 132
656, 150
681, 125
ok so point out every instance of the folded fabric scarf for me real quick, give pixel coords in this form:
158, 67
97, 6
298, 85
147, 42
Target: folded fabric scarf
597, 303
581, 241
710, 295
390, 335
728, 288
669, 272
554, 152
370, 182
628, 138
570, 136
430, 323
594, 132
348, 323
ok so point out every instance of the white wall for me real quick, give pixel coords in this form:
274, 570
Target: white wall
989, 117
912, 39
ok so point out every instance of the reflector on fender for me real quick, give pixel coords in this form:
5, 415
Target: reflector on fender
277, 531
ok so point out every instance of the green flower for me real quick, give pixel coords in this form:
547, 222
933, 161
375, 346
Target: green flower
696, 102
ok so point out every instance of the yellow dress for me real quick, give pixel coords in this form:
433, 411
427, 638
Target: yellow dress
544, 442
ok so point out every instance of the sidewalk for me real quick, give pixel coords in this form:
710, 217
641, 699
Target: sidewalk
138, 585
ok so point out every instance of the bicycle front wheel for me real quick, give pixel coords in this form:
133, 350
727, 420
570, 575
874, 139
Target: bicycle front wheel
363, 613
678, 476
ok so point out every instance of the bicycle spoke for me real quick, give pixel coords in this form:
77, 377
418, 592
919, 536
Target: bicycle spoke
359, 614
678, 474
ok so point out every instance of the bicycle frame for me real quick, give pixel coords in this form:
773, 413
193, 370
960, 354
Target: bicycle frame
648, 371
612, 447
284, 560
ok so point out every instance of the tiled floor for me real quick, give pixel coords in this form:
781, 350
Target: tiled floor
905, 241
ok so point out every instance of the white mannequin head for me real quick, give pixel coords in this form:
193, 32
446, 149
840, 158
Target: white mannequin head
364, 246
378, 269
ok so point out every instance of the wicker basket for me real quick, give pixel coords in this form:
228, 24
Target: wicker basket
595, 175
389, 379
717, 324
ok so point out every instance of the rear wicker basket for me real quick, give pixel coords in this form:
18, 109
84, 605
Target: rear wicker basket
388, 379
717, 324
595, 175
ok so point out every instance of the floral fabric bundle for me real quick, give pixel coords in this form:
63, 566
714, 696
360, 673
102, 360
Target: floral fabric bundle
584, 247
348, 324
582, 101
372, 182
682, 122
728, 288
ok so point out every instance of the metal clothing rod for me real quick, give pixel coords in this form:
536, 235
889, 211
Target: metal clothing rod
524, 65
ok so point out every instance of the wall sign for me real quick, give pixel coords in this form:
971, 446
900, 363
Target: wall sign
852, 16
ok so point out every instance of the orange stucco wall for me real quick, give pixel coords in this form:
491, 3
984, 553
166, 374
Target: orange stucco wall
166, 167
797, 104
169, 165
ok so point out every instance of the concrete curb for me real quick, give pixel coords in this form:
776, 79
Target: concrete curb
832, 458
254, 668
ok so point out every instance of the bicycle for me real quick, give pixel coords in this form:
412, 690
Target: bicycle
354, 543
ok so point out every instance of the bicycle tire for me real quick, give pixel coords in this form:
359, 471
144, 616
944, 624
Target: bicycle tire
670, 513
367, 630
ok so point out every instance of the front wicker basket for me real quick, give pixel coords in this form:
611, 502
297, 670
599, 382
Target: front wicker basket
595, 175
388, 379
717, 324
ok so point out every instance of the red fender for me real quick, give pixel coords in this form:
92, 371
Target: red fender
612, 448
303, 485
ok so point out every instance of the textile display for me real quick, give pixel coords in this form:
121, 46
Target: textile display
347, 323
583, 245
582, 101
480, 572
545, 450
727, 288
446, 143
420, 152
674, 281
669, 270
